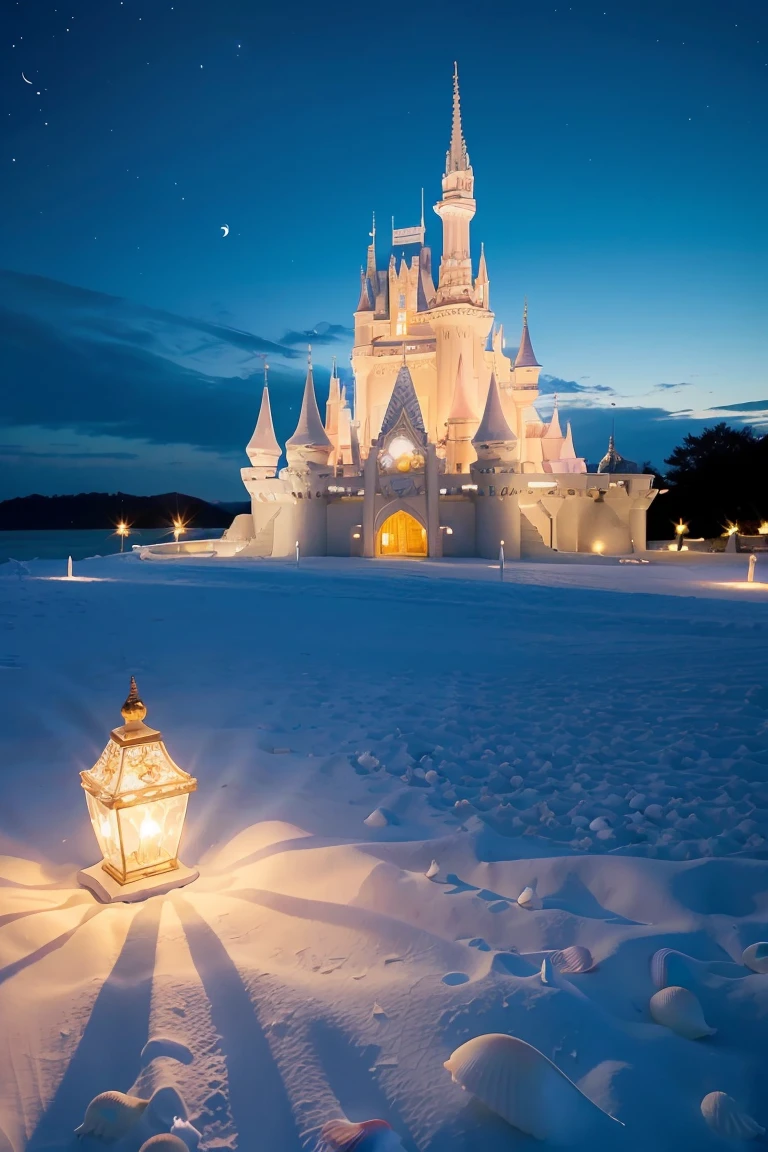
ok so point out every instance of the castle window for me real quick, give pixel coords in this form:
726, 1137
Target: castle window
459, 467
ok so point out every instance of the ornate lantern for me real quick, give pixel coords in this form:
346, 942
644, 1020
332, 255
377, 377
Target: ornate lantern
137, 801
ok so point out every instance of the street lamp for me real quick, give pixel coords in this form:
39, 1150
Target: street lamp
680, 530
179, 528
137, 801
122, 531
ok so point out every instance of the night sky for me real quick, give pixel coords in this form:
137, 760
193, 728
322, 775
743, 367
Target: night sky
620, 174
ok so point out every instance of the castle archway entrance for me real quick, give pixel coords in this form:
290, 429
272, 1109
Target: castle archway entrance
401, 535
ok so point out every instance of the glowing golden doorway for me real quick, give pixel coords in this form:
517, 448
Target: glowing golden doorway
402, 535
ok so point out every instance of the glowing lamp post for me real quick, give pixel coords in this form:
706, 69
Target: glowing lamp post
122, 531
137, 801
179, 528
680, 531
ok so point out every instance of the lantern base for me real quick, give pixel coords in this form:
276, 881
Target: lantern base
108, 891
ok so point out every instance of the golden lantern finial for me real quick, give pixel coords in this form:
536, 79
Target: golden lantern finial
134, 708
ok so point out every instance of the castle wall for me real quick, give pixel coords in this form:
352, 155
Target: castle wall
345, 518
458, 514
497, 518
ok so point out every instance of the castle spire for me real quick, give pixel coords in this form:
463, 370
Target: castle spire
461, 408
370, 270
263, 448
482, 283
309, 442
457, 158
553, 428
525, 355
494, 433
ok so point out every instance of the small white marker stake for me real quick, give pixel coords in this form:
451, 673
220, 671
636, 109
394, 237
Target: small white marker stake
751, 572
297, 553
501, 559
69, 567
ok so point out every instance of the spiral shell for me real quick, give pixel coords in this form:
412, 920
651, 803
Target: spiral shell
574, 958
724, 1116
164, 1142
368, 1136
110, 1115
756, 957
521, 1085
680, 1011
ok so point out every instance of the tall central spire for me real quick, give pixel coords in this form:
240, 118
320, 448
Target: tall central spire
456, 210
457, 157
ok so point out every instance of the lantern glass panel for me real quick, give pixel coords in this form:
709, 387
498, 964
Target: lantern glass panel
150, 835
104, 821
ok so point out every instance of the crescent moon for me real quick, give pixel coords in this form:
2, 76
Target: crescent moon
25, 79
225, 230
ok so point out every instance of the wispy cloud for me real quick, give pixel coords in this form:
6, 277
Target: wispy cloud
671, 387
322, 333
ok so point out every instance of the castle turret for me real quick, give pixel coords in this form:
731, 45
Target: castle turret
309, 443
456, 210
527, 367
494, 438
263, 449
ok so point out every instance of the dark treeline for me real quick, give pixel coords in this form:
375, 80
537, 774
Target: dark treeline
715, 478
105, 510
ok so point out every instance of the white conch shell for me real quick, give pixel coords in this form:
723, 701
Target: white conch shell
724, 1116
164, 1142
680, 1011
526, 1089
186, 1132
433, 870
574, 958
529, 899
756, 957
369, 1136
111, 1115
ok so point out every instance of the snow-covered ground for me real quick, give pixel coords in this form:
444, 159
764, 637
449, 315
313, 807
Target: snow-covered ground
594, 730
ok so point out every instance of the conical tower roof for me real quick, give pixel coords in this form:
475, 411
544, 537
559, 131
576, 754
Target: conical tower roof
263, 439
567, 451
403, 399
310, 432
457, 159
525, 355
553, 428
461, 407
493, 428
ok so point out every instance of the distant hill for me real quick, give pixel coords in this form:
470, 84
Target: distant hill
105, 509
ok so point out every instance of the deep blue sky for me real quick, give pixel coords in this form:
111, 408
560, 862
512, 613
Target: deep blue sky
620, 174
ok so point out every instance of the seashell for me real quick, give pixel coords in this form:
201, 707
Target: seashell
574, 958
369, 1136
756, 957
547, 972
433, 870
186, 1132
668, 967
111, 1115
599, 824
680, 1011
724, 1116
377, 819
164, 1142
529, 899
526, 1089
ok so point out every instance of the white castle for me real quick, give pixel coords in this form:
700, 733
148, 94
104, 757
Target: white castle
444, 453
